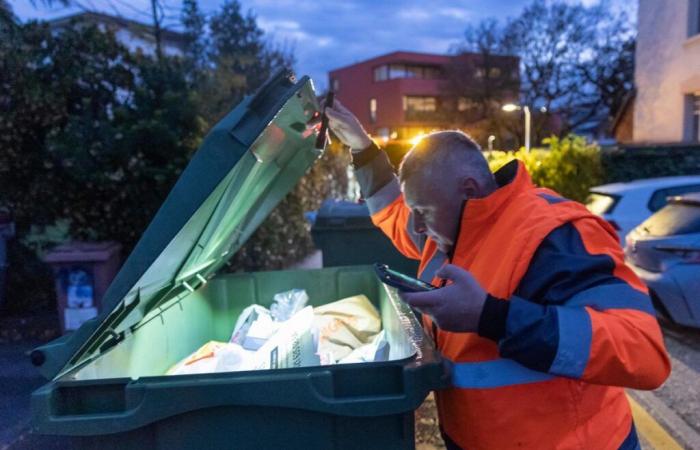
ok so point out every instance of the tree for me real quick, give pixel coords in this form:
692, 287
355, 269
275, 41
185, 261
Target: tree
575, 60
194, 23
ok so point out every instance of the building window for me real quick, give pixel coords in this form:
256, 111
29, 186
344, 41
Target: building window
695, 118
419, 108
693, 17
464, 104
381, 73
479, 73
373, 110
335, 85
421, 104
398, 71
494, 72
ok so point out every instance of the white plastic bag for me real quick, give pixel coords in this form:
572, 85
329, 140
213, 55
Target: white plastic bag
288, 303
291, 346
377, 350
253, 327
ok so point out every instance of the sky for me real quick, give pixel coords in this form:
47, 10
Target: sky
326, 35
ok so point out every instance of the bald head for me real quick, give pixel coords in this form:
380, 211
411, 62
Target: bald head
438, 176
447, 154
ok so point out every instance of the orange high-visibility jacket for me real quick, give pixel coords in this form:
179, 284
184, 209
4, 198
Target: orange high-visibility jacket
574, 326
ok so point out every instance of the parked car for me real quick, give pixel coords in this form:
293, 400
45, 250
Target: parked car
665, 252
626, 205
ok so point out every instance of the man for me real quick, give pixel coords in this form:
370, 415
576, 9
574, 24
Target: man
543, 322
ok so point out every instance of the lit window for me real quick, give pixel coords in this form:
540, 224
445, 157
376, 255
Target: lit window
462, 104
495, 72
479, 73
420, 104
335, 85
373, 110
381, 73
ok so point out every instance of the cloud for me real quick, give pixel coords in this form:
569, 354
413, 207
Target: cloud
455, 13
413, 14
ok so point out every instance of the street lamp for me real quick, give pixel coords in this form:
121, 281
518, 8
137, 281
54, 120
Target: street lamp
510, 107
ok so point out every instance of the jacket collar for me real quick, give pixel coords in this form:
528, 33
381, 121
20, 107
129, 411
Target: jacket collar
512, 179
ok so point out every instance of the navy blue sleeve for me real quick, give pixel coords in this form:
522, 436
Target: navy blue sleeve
560, 269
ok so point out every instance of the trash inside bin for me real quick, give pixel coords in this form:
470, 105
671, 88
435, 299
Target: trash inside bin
83, 271
346, 236
108, 385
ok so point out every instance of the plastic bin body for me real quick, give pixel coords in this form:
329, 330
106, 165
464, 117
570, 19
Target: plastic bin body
327, 407
98, 262
346, 235
107, 387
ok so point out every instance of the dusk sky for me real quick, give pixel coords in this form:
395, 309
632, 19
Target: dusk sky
329, 34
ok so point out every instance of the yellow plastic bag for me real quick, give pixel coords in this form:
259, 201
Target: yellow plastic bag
345, 325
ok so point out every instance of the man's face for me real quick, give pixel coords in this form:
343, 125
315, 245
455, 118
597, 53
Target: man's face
436, 207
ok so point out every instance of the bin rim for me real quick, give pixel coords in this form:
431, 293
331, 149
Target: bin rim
245, 165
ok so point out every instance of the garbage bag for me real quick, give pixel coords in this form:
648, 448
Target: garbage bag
212, 357
345, 325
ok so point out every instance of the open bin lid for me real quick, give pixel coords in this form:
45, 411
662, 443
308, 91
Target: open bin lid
246, 164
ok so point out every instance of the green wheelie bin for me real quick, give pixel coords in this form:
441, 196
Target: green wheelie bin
107, 386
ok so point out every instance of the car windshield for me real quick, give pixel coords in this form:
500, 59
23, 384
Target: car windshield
674, 218
600, 204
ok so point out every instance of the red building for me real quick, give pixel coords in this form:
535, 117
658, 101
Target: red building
403, 94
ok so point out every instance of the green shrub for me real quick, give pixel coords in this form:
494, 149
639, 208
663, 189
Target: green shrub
570, 166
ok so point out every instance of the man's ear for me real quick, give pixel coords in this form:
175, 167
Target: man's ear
469, 188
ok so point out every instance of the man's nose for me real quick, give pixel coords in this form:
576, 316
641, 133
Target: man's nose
418, 225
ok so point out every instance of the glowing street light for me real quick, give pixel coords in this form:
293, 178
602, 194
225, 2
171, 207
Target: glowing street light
510, 107
491, 139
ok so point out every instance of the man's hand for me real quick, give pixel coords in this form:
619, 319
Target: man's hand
455, 307
346, 126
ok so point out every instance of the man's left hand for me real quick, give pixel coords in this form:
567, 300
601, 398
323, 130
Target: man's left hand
455, 307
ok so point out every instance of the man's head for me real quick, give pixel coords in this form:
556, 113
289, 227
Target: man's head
437, 175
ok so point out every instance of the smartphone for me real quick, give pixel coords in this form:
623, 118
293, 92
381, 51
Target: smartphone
401, 281
322, 137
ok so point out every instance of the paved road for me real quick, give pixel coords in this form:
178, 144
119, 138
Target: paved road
682, 390
17, 379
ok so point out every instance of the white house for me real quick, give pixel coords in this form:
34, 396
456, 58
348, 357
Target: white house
667, 72
134, 35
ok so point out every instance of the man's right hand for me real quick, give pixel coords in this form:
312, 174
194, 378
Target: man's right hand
347, 128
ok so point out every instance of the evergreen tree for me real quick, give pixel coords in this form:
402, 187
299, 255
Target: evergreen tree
194, 24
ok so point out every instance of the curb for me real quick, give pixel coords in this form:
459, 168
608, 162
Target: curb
672, 423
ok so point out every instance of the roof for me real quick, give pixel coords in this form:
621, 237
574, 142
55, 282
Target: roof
402, 56
647, 183
97, 17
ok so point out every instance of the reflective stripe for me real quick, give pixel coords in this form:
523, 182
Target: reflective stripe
384, 196
575, 335
612, 296
553, 199
493, 374
433, 266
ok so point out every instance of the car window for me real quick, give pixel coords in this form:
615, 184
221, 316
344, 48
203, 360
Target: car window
672, 219
658, 199
599, 203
